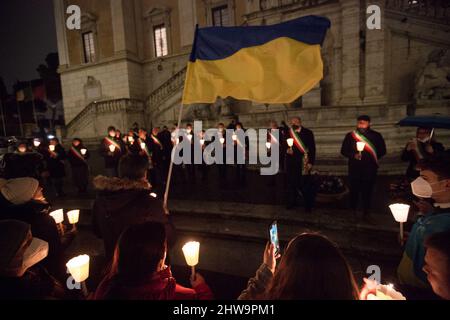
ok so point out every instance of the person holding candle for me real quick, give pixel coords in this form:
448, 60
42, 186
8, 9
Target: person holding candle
56, 167
139, 271
78, 156
363, 165
188, 134
22, 275
300, 158
434, 184
125, 201
112, 149
421, 147
220, 136
22, 199
311, 268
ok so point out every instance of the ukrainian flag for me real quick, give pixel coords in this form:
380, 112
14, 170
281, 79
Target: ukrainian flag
266, 64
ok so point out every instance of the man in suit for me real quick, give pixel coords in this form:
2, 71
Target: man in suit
363, 166
300, 158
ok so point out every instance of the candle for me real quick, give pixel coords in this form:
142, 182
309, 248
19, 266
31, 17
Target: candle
222, 140
154, 195
360, 146
83, 151
131, 139
112, 147
290, 142
79, 268
234, 137
191, 253
51, 147
268, 145
58, 215
189, 136
177, 141
36, 143
142, 145
400, 213
73, 216
202, 142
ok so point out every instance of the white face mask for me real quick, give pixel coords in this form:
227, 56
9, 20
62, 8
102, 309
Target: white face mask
422, 188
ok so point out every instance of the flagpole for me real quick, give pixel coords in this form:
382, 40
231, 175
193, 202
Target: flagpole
169, 175
3, 117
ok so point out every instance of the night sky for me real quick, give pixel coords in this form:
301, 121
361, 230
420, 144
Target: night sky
28, 34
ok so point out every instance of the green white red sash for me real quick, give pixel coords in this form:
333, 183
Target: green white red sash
369, 147
112, 142
145, 149
77, 154
156, 140
272, 138
298, 142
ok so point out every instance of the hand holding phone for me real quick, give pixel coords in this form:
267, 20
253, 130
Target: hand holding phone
273, 236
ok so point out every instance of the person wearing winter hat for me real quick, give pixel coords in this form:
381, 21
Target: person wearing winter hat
21, 276
22, 199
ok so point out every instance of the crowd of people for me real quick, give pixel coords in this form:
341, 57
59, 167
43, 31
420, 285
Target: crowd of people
138, 232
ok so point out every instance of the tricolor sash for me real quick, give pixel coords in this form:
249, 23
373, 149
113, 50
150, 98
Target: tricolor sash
112, 142
77, 154
156, 140
272, 138
369, 147
145, 149
298, 142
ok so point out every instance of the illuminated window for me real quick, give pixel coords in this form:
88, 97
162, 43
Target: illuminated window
160, 38
88, 46
220, 16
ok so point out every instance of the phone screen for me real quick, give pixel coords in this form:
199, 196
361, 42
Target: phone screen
273, 233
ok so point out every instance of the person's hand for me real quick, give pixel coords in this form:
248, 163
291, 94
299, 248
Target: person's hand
309, 166
370, 287
290, 151
429, 148
110, 153
197, 279
411, 146
424, 207
358, 156
270, 259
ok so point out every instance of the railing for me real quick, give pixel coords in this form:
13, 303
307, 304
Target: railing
269, 4
166, 90
431, 9
108, 106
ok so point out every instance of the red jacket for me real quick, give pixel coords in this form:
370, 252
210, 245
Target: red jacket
161, 286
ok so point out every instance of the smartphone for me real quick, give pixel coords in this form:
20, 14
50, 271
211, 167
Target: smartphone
273, 236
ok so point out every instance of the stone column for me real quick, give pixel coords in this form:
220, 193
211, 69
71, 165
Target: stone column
188, 19
60, 22
118, 26
351, 52
375, 88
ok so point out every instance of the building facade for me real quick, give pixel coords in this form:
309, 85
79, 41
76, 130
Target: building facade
127, 64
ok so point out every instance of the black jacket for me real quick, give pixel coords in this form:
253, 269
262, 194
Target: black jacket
75, 160
295, 161
112, 160
56, 165
367, 166
36, 214
121, 203
410, 156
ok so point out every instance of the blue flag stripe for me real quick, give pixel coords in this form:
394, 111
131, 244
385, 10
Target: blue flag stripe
215, 43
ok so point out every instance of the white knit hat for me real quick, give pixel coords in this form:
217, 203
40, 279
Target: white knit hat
20, 190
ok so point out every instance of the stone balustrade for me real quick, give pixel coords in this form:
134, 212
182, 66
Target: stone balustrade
437, 10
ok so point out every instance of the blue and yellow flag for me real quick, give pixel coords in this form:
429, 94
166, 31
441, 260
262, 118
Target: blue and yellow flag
266, 64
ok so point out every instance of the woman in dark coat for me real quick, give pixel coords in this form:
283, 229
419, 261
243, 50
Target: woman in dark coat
55, 164
78, 156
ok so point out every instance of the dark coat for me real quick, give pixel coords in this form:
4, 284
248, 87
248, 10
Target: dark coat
56, 165
160, 286
36, 214
28, 164
74, 160
367, 166
112, 159
410, 156
121, 203
294, 162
